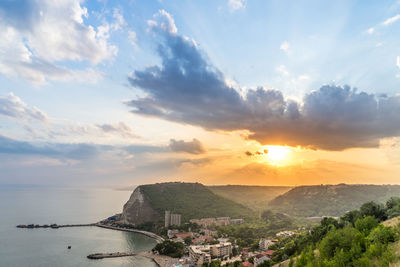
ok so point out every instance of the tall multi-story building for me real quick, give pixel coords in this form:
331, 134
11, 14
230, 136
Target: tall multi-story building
172, 219
221, 250
201, 254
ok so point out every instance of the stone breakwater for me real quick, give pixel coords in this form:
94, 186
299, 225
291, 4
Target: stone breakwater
160, 260
53, 226
158, 238
98, 256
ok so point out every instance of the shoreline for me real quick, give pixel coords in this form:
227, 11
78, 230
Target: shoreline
158, 238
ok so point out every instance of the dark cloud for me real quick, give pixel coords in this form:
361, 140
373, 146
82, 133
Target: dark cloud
192, 147
257, 153
186, 88
248, 153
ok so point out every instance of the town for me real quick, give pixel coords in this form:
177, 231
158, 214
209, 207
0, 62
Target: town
199, 243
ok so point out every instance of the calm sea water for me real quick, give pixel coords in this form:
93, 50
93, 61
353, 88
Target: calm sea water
48, 247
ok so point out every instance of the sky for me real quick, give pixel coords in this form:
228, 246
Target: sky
121, 93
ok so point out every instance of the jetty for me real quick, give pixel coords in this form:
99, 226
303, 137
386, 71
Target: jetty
53, 226
160, 260
158, 238
98, 256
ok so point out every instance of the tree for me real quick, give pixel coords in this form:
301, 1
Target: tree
373, 209
264, 264
170, 248
251, 260
235, 251
188, 240
366, 224
351, 216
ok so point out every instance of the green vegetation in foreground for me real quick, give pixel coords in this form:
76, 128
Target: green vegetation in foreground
357, 239
330, 200
254, 197
192, 201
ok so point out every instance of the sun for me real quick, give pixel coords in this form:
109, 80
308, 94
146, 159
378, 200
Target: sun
277, 154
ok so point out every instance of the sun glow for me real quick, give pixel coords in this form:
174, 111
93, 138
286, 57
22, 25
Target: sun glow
277, 155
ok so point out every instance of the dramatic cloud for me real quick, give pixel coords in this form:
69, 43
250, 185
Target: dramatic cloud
37, 34
12, 106
192, 147
188, 89
120, 128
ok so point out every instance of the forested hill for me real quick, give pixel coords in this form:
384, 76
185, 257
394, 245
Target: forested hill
254, 197
330, 200
191, 200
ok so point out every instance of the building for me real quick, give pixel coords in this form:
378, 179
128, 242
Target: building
222, 240
172, 219
209, 232
236, 221
172, 233
265, 243
201, 254
285, 233
221, 250
220, 221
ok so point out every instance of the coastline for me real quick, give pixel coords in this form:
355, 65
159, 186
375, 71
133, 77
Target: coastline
158, 238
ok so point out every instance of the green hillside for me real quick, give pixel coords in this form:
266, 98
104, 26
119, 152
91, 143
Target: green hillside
254, 197
192, 200
330, 200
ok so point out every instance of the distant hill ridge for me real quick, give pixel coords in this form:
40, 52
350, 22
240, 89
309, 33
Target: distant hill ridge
253, 196
192, 200
330, 200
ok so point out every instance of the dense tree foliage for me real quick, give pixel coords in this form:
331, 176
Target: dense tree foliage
192, 200
356, 239
170, 248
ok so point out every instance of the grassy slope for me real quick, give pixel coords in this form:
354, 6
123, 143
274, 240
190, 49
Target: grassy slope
192, 200
331, 200
254, 197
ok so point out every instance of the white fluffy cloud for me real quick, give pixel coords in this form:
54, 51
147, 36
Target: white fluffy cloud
38, 35
13, 107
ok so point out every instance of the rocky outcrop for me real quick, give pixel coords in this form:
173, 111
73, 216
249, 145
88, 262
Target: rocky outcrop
138, 209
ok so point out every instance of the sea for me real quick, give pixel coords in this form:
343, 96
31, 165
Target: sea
45, 247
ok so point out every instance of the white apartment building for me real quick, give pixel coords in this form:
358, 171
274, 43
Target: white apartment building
201, 254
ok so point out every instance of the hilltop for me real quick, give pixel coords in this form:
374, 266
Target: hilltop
254, 197
192, 200
330, 200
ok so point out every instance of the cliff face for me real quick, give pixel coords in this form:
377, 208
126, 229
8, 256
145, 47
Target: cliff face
138, 209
